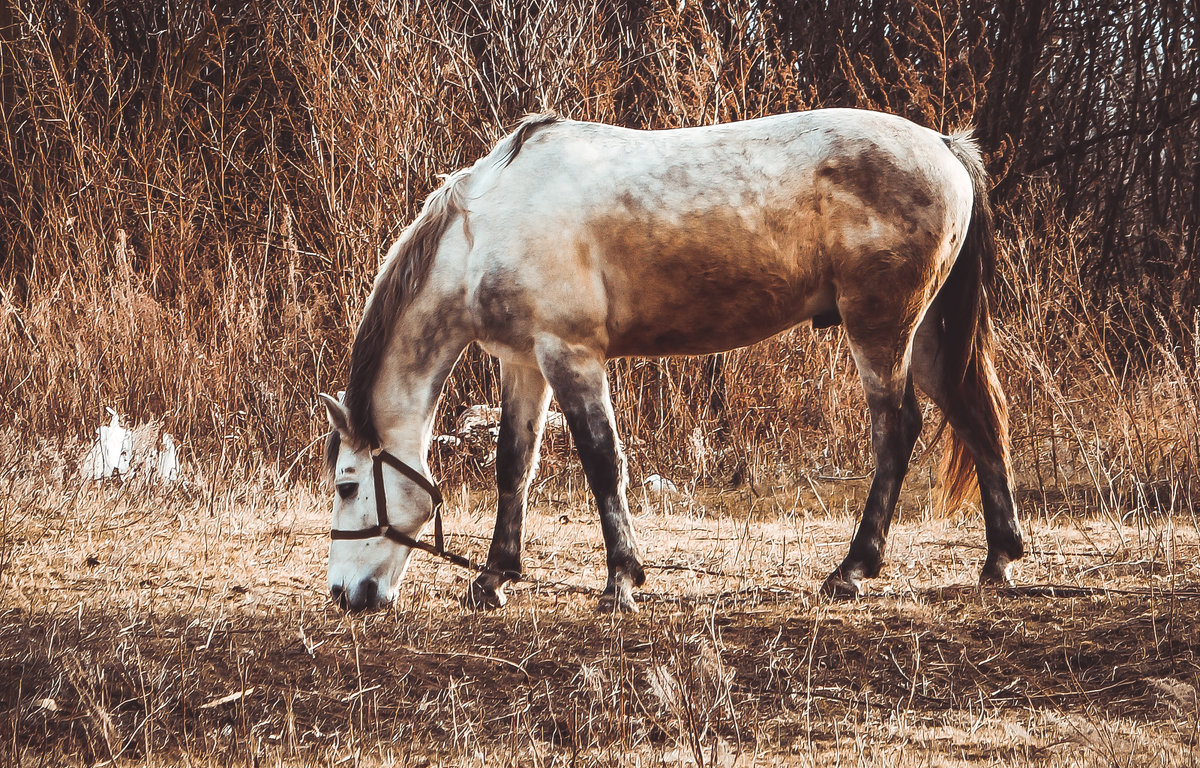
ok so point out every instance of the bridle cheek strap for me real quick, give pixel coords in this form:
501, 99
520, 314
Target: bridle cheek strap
384, 527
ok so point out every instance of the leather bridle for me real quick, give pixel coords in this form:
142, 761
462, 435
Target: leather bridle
385, 529
438, 549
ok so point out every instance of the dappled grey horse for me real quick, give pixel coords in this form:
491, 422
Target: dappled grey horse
571, 243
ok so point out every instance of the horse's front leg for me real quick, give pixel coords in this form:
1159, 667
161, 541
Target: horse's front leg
524, 398
580, 383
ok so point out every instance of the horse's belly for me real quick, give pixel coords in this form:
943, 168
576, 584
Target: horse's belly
709, 279
696, 315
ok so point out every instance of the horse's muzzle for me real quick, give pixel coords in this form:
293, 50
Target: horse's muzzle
360, 598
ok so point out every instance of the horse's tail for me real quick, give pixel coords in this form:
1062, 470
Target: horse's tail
969, 382
403, 275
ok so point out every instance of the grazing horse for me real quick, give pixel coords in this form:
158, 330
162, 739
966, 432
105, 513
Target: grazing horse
571, 243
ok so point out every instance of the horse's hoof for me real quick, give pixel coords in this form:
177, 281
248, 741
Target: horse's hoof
995, 573
613, 604
840, 586
481, 598
618, 595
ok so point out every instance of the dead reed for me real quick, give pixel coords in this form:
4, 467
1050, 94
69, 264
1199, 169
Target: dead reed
197, 220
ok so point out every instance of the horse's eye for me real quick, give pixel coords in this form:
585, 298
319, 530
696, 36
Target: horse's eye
347, 490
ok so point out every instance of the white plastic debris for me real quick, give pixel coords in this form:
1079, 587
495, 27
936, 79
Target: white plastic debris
556, 422
166, 468
477, 419
124, 452
478, 427
112, 451
659, 484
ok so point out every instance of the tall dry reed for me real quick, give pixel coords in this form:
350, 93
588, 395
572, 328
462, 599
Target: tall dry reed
200, 198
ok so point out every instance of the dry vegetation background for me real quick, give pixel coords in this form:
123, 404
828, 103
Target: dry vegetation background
197, 196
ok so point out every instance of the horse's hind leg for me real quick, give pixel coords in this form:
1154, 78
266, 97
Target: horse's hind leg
524, 397
895, 425
580, 383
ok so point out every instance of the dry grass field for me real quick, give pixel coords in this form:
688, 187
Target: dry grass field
191, 627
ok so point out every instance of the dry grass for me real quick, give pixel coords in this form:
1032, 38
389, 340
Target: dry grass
200, 201
191, 627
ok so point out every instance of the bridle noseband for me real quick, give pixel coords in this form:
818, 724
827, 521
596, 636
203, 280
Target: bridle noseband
385, 529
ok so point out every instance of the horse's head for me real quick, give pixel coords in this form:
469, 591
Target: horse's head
375, 509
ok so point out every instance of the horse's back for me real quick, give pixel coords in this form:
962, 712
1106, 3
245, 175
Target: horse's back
696, 240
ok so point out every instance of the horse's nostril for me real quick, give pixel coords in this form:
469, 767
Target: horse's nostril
367, 597
364, 597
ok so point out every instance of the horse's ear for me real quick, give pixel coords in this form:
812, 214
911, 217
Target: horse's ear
339, 417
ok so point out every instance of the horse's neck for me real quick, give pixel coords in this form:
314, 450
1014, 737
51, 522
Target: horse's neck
419, 359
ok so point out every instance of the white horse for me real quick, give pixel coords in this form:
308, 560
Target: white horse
571, 243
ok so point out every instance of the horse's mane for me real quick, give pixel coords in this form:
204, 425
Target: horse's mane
403, 276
